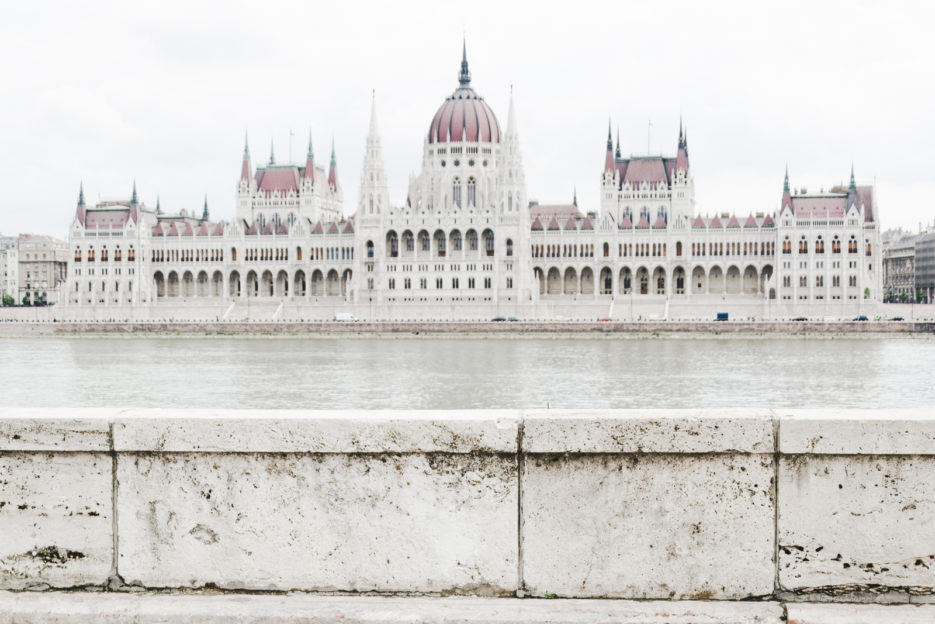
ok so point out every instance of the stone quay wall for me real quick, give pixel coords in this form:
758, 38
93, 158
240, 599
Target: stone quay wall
784, 506
480, 328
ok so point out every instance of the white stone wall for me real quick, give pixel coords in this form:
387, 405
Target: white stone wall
652, 504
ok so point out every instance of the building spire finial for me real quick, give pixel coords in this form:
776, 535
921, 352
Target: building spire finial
272, 154
333, 161
246, 146
310, 155
853, 184
610, 139
81, 193
158, 207
574, 201
133, 200
617, 153
785, 184
465, 77
204, 213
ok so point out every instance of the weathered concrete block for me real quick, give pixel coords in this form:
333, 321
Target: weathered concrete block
649, 526
41, 429
856, 520
84, 608
859, 614
648, 431
311, 431
857, 432
400, 522
55, 519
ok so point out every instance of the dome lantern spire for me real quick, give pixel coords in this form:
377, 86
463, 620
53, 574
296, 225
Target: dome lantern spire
465, 77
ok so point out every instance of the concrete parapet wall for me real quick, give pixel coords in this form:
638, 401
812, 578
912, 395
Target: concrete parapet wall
791, 506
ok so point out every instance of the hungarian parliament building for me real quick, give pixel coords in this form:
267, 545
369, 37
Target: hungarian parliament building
468, 244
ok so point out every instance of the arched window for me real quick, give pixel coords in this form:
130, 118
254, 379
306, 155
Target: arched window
678, 248
77, 254
369, 249
298, 253
835, 245
852, 245
456, 192
509, 247
472, 192
868, 248
606, 250
118, 256
488, 242
819, 246
104, 254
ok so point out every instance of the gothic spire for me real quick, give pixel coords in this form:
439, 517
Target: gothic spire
785, 184
246, 146
333, 170
853, 184
245, 165
204, 213
511, 117
681, 133
310, 155
574, 201
610, 139
81, 194
133, 200
272, 154
158, 207
373, 114
465, 77
617, 153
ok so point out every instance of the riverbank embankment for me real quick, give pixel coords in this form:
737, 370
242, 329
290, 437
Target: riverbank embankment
614, 329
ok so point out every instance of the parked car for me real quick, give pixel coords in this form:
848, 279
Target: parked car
498, 319
605, 320
721, 316
897, 318
800, 318
512, 319
862, 317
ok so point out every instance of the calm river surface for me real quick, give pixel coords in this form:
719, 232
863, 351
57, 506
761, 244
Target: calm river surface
467, 372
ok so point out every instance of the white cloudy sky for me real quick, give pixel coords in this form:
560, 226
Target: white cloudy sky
163, 91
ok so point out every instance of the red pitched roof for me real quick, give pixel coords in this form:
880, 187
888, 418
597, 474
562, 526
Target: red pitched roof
587, 225
626, 224
188, 231
536, 224
643, 222
733, 223
570, 224
660, 222
203, 230
553, 224
768, 221
157, 231
219, 229
698, 222
349, 228
333, 229
173, 231
317, 229
281, 179
750, 222
715, 222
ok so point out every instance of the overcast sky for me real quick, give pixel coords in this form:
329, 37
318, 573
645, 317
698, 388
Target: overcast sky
163, 91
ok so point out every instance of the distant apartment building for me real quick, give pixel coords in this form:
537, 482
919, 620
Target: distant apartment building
899, 265
9, 269
43, 263
925, 267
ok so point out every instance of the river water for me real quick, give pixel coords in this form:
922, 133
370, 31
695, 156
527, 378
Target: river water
449, 373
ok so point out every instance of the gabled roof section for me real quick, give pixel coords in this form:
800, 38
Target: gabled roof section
660, 223
318, 228
715, 222
698, 222
278, 178
643, 223
349, 227
536, 224
587, 225
750, 222
334, 228
570, 224
626, 224
733, 223
553, 224
768, 222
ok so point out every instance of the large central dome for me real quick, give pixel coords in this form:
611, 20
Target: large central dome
464, 115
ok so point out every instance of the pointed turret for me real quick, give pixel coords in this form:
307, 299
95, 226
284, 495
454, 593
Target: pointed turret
617, 152
374, 194
158, 207
681, 161
609, 158
245, 169
204, 213
133, 200
464, 78
333, 170
272, 153
786, 192
309, 160
511, 117
574, 201
80, 209
852, 199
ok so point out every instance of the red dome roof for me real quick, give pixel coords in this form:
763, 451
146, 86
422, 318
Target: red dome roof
464, 116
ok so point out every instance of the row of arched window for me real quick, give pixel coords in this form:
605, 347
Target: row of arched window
563, 251
187, 255
105, 255
819, 248
441, 242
